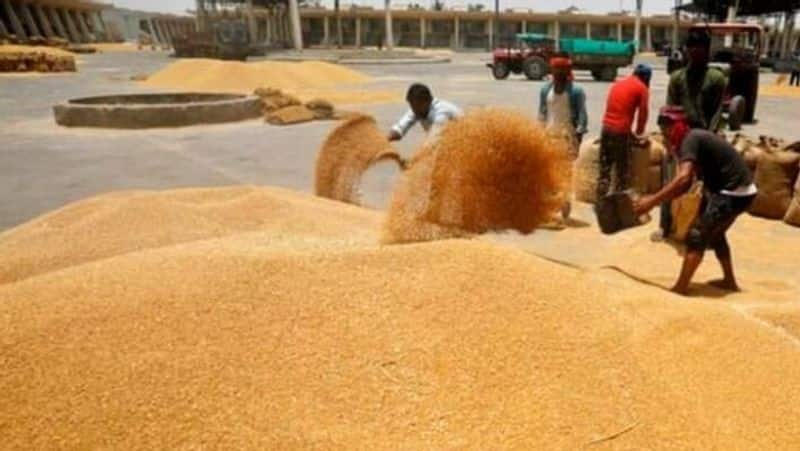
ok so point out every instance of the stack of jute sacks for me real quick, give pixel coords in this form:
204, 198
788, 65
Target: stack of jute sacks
776, 166
14, 58
281, 108
645, 167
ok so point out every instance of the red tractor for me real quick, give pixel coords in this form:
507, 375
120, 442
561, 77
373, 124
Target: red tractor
532, 52
736, 50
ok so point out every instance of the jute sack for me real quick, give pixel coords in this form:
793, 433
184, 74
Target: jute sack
587, 168
793, 213
685, 210
640, 166
775, 176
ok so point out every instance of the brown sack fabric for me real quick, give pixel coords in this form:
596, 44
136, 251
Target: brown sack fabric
793, 213
587, 168
684, 211
774, 178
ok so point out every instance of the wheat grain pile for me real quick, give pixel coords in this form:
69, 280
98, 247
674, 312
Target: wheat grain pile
257, 318
25, 58
493, 169
348, 151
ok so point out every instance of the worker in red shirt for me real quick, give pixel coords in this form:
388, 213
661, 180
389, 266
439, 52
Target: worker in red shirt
627, 98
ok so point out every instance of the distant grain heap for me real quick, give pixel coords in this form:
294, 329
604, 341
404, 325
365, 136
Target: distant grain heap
22, 58
206, 75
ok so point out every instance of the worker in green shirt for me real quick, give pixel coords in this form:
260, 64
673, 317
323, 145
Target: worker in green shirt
699, 90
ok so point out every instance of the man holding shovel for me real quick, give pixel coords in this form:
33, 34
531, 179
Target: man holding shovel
729, 191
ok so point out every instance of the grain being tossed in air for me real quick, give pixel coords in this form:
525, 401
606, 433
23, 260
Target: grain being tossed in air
349, 150
493, 169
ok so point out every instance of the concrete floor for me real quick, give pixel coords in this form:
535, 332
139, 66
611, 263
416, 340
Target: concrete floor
44, 166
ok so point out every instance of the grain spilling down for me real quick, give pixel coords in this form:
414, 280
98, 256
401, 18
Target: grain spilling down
493, 169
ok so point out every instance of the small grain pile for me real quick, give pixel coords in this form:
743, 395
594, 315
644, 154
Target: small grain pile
348, 151
493, 169
295, 114
23, 58
257, 318
779, 90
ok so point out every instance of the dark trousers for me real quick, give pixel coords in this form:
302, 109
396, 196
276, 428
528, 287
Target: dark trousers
665, 218
615, 153
795, 79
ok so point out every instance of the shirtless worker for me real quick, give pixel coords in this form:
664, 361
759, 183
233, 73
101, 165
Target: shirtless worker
729, 191
430, 112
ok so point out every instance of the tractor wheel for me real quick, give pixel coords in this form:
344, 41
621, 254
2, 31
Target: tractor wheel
500, 71
736, 112
535, 68
608, 73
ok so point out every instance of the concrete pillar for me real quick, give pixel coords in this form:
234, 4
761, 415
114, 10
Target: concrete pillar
358, 32
154, 32
766, 43
25, 10
75, 36
422, 32
588, 30
490, 32
16, 25
297, 30
326, 31
83, 27
162, 28
251, 22
47, 29
524, 26
456, 33
619, 31
389, 34
269, 25
557, 35
648, 38
57, 24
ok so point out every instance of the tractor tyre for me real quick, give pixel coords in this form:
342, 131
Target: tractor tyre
535, 68
736, 112
500, 71
608, 73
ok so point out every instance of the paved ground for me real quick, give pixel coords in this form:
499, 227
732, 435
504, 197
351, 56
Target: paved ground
44, 166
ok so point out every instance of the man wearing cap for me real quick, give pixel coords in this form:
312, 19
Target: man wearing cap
627, 98
562, 108
430, 112
729, 191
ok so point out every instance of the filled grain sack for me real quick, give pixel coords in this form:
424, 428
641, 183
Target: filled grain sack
685, 209
348, 151
290, 115
657, 147
321, 108
587, 168
640, 162
775, 177
793, 213
654, 183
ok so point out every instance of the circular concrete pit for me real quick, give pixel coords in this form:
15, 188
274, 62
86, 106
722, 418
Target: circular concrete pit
156, 110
